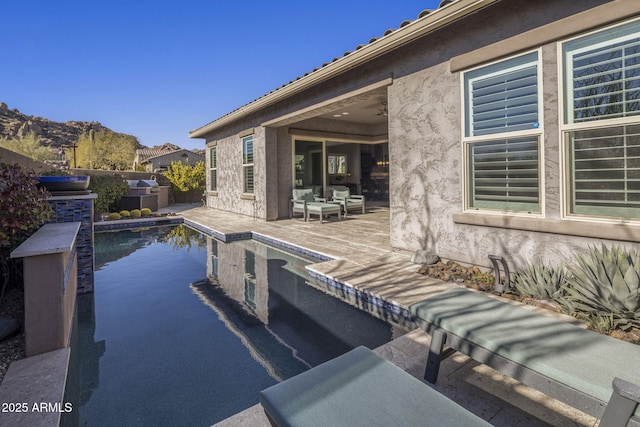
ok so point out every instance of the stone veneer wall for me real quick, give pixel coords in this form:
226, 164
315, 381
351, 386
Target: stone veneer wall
78, 209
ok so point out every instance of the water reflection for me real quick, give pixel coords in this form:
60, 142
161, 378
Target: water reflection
280, 311
144, 332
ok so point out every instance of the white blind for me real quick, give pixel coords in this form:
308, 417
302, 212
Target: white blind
214, 165
247, 160
503, 97
247, 150
602, 74
504, 174
606, 82
605, 168
248, 179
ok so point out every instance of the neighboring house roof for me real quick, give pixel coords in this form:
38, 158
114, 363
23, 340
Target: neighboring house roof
427, 22
161, 153
145, 154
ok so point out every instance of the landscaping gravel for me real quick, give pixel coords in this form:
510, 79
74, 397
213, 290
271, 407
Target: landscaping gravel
12, 348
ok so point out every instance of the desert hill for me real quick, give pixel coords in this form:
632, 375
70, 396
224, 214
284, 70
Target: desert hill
14, 124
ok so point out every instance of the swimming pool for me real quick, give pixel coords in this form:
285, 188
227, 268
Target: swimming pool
186, 330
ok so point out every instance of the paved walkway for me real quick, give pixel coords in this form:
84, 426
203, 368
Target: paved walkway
365, 259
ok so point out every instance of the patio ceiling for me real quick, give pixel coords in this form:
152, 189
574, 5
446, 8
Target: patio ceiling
366, 106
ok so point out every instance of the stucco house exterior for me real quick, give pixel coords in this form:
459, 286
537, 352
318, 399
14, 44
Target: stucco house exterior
491, 126
159, 159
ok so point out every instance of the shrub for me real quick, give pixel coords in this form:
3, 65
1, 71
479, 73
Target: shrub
114, 216
109, 188
125, 213
185, 178
135, 213
605, 283
24, 210
145, 211
540, 281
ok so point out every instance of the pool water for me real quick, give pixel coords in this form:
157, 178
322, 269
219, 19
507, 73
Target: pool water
185, 330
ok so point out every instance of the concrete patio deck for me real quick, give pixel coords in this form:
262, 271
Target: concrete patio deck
364, 258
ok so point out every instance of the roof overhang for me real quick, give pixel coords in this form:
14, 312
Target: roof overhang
431, 22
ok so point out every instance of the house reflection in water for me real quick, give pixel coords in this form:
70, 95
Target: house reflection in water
261, 294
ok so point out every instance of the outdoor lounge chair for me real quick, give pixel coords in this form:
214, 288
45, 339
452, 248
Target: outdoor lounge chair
342, 195
305, 202
361, 388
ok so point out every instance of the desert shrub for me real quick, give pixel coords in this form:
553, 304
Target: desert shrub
145, 211
125, 213
24, 209
114, 216
110, 189
605, 284
540, 281
135, 213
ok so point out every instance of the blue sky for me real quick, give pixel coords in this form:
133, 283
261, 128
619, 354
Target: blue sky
158, 69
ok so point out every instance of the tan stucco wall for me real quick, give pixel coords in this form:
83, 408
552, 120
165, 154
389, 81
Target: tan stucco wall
425, 132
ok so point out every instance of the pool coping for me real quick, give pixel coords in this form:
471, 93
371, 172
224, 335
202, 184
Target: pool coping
377, 305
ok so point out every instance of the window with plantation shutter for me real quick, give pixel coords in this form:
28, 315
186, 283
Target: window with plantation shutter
602, 122
247, 163
605, 171
504, 173
502, 136
602, 73
213, 168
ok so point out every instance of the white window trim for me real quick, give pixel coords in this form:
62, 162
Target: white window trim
247, 165
467, 140
566, 125
213, 169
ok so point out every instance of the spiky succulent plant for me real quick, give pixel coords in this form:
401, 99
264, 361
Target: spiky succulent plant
606, 282
540, 281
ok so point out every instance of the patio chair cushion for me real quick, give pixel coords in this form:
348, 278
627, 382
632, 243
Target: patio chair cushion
341, 194
360, 388
303, 194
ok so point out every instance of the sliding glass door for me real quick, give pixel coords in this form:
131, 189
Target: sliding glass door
309, 165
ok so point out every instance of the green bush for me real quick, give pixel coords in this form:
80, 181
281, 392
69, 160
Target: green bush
110, 189
185, 177
114, 216
145, 211
125, 213
135, 213
24, 210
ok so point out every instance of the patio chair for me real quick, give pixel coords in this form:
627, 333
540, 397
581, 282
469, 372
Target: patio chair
347, 200
300, 201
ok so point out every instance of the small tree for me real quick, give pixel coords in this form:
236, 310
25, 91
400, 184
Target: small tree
23, 209
106, 150
110, 190
185, 178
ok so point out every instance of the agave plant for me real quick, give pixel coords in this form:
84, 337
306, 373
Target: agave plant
606, 282
540, 281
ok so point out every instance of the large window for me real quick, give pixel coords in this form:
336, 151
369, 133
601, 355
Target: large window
213, 168
602, 123
502, 136
247, 163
